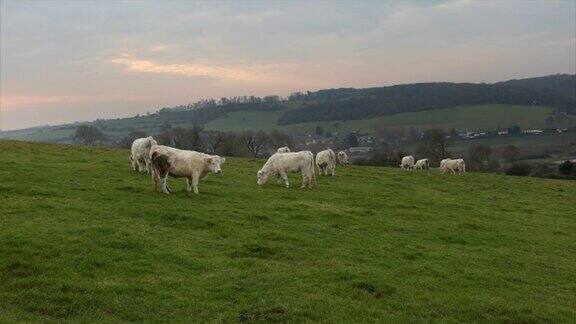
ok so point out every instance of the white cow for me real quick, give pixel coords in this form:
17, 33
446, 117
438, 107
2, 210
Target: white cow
422, 164
284, 149
442, 164
140, 156
407, 163
342, 158
282, 164
453, 166
326, 161
191, 165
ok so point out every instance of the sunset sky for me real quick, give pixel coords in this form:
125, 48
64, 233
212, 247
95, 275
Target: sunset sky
64, 61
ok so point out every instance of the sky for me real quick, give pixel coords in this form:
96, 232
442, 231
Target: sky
65, 61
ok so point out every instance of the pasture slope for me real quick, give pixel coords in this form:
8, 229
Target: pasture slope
83, 238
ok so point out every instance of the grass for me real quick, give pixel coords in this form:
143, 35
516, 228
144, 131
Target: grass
83, 238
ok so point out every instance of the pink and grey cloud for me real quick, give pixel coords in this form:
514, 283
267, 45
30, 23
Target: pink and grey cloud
62, 61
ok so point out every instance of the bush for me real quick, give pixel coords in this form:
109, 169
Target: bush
521, 169
567, 168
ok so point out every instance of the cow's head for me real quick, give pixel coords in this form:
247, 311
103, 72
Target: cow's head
262, 177
213, 162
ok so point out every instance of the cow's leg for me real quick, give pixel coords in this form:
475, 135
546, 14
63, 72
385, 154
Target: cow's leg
305, 179
155, 180
164, 185
285, 178
141, 165
189, 184
134, 164
148, 165
333, 170
195, 179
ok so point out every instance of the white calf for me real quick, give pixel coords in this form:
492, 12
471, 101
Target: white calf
407, 163
326, 161
282, 164
140, 156
422, 164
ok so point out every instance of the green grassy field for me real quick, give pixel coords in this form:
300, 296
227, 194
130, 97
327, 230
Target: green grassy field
83, 239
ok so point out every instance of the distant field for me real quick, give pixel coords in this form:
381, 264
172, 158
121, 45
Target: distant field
465, 117
537, 143
84, 239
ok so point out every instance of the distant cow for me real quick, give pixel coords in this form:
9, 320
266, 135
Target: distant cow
453, 166
284, 149
140, 156
342, 158
422, 164
407, 163
442, 164
282, 164
326, 161
191, 165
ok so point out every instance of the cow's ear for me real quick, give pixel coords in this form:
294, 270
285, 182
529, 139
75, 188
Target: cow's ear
222, 160
208, 160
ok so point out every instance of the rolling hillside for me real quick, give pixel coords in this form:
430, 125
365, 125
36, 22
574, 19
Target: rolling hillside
482, 117
85, 239
462, 117
524, 102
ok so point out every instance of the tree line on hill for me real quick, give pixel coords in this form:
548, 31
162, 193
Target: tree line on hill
351, 104
558, 91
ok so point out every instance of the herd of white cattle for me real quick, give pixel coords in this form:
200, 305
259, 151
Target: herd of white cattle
446, 165
161, 161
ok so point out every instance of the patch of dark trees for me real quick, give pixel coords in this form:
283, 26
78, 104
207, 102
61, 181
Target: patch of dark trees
558, 91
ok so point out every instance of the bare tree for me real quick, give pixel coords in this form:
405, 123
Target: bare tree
126, 142
434, 145
511, 153
213, 140
280, 139
255, 142
88, 135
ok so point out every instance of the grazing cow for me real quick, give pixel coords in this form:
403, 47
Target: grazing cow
282, 164
191, 165
407, 163
453, 166
284, 149
140, 156
442, 164
422, 164
342, 158
326, 161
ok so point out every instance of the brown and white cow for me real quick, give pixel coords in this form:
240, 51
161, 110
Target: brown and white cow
191, 165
